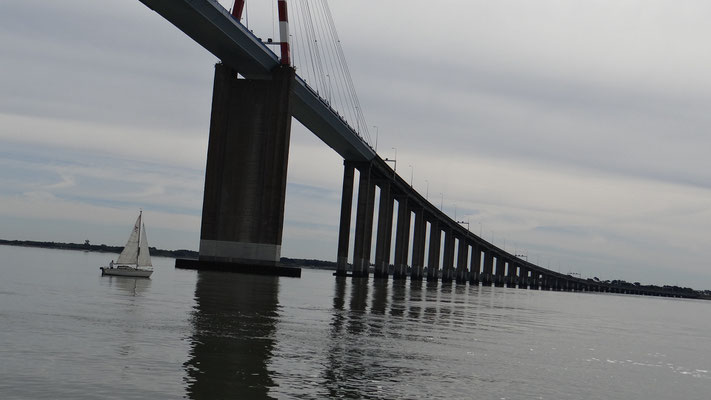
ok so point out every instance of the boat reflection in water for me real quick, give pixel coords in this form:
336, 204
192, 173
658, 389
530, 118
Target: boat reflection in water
134, 286
234, 323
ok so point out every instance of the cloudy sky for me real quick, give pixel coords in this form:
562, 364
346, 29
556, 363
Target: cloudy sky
573, 132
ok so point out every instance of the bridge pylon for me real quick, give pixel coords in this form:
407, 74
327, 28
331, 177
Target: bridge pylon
245, 177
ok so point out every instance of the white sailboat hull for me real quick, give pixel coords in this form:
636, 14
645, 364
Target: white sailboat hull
126, 271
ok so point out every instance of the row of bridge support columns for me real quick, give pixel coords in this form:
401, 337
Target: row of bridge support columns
477, 262
496, 269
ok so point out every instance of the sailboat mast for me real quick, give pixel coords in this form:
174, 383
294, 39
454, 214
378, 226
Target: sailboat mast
140, 221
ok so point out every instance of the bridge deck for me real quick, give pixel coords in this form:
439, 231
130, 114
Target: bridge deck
211, 26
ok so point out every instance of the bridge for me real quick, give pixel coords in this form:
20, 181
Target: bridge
255, 95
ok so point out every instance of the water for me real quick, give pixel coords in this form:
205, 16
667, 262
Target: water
68, 333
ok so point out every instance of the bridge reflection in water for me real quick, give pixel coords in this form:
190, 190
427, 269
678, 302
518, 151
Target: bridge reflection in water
388, 339
234, 322
326, 337
254, 338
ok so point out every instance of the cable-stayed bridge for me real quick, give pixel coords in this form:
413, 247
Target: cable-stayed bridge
255, 95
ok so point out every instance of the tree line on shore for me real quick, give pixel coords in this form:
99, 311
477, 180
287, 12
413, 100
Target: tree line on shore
182, 253
637, 285
305, 263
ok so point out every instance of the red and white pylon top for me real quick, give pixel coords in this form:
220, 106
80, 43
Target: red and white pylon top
284, 33
237, 9
283, 27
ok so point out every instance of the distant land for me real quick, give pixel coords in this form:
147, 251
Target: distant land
300, 262
103, 248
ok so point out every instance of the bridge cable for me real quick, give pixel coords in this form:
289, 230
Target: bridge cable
349, 91
330, 61
336, 65
312, 41
347, 73
322, 63
307, 44
298, 45
343, 65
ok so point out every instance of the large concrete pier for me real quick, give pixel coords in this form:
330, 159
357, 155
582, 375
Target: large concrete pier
245, 178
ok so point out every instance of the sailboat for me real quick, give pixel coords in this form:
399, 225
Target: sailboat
135, 259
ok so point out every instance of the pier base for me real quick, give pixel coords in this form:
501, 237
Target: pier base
243, 268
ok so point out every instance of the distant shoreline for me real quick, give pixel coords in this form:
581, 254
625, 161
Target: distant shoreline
182, 253
303, 263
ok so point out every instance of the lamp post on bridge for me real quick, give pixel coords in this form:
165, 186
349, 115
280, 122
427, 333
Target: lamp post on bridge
464, 223
441, 200
427, 193
394, 160
376, 138
412, 173
329, 89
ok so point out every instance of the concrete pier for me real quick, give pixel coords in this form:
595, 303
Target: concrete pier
344, 229
534, 280
511, 274
500, 267
364, 222
245, 178
418, 246
525, 279
434, 251
402, 238
487, 275
384, 233
462, 260
475, 264
448, 259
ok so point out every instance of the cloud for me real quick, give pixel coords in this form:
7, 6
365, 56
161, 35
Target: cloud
94, 139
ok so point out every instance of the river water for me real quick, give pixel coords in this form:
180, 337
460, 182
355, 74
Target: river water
66, 332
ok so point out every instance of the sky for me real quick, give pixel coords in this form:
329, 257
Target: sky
575, 133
